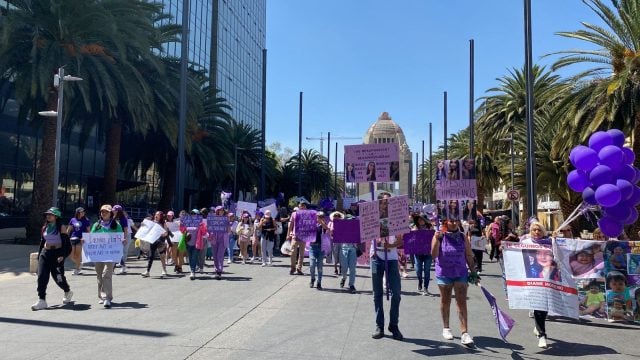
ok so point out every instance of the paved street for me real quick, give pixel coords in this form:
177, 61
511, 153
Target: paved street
264, 313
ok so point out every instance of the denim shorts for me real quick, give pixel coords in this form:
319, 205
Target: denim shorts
441, 280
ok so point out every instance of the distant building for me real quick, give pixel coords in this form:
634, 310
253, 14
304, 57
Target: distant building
385, 130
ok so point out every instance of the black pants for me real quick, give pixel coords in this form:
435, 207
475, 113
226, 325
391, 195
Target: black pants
539, 317
478, 254
48, 265
160, 245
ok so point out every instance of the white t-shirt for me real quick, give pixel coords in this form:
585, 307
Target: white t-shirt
392, 254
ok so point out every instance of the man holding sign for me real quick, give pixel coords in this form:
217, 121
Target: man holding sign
303, 225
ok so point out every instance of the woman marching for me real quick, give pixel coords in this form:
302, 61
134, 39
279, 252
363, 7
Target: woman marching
175, 253
79, 224
268, 226
454, 261
195, 241
257, 238
316, 251
219, 243
244, 231
104, 270
54, 248
347, 256
159, 245
423, 262
121, 217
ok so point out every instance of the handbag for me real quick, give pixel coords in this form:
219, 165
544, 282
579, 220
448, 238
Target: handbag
278, 228
285, 249
182, 245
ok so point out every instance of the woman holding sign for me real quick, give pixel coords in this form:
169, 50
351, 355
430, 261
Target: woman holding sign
454, 261
104, 270
244, 231
423, 262
54, 248
219, 242
159, 245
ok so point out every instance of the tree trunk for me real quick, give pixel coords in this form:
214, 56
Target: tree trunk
480, 202
632, 230
169, 187
42, 196
112, 162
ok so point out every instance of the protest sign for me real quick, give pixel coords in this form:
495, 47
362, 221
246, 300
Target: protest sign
369, 220
149, 231
418, 242
584, 257
398, 222
191, 221
346, 231
102, 247
272, 207
371, 162
174, 231
478, 243
456, 180
243, 206
535, 280
217, 224
622, 283
305, 225
504, 322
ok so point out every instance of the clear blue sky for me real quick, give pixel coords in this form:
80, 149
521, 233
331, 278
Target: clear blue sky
355, 59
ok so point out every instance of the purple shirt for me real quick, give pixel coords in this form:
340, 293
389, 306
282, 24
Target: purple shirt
451, 261
79, 226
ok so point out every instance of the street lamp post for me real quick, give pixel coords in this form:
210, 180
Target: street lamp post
235, 171
58, 82
513, 203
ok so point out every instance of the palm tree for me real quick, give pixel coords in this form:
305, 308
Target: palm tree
315, 175
39, 36
607, 95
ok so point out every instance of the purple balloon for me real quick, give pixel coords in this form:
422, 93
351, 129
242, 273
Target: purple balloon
578, 180
610, 227
617, 137
626, 172
608, 195
612, 156
589, 196
634, 199
599, 139
629, 155
601, 174
632, 218
621, 211
626, 189
584, 158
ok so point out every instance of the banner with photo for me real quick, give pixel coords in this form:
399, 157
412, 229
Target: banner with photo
456, 179
372, 163
537, 280
454, 210
622, 280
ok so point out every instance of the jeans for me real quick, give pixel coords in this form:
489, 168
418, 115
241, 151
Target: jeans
267, 250
232, 245
194, 254
348, 262
377, 277
423, 269
316, 258
48, 265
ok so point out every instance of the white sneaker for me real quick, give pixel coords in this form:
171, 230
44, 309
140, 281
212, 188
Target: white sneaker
542, 342
101, 301
67, 297
40, 305
466, 339
264, 264
535, 331
123, 270
251, 259
107, 304
228, 262
145, 274
446, 333
75, 272
192, 276
164, 273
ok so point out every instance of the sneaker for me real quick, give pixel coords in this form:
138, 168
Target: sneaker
446, 333
229, 262
378, 333
264, 264
75, 272
251, 259
342, 283
100, 301
352, 289
395, 331
107, 304
192, 276
164, 273
40, 305
123, 270
319, 286
145, 274
535, 331
531, 314
244, 262
67, 297
466, 339
419, 288
291, 272
405, 274
542, 342
299, 272
218, 276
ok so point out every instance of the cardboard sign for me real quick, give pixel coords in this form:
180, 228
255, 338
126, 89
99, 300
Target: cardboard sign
102, 247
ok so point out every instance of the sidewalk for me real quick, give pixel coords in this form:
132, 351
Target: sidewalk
264, 313
10, 234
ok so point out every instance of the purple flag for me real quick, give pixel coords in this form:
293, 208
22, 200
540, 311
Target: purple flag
346, 231
418, 242
503, 320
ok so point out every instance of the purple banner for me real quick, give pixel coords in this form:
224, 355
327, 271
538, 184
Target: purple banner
217, 224
418, 242
191, 221
346, 231
456, 179
371, 162
503, 320
369, 220
305, 225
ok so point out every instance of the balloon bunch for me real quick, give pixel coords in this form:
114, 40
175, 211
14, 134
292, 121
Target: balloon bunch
605, 176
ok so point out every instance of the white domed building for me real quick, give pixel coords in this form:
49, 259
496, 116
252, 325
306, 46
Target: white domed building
385, 130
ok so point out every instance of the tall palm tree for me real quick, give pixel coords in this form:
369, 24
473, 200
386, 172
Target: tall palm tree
315, 175
39, 36
607, 94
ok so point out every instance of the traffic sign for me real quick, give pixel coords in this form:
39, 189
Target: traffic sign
513, 195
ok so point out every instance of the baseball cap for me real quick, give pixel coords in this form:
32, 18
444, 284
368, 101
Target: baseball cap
195, 211
79, 210
171, 213
219, 207
54, 211
117, 208
106, 207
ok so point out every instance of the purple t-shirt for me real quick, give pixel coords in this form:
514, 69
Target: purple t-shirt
79, 226
451, 261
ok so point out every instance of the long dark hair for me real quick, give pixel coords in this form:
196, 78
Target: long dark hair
58, 225
162, 217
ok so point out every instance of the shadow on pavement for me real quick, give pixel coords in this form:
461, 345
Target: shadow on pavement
440, 348
563, 348
72, 306
84, 327
129, 305
488, 343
